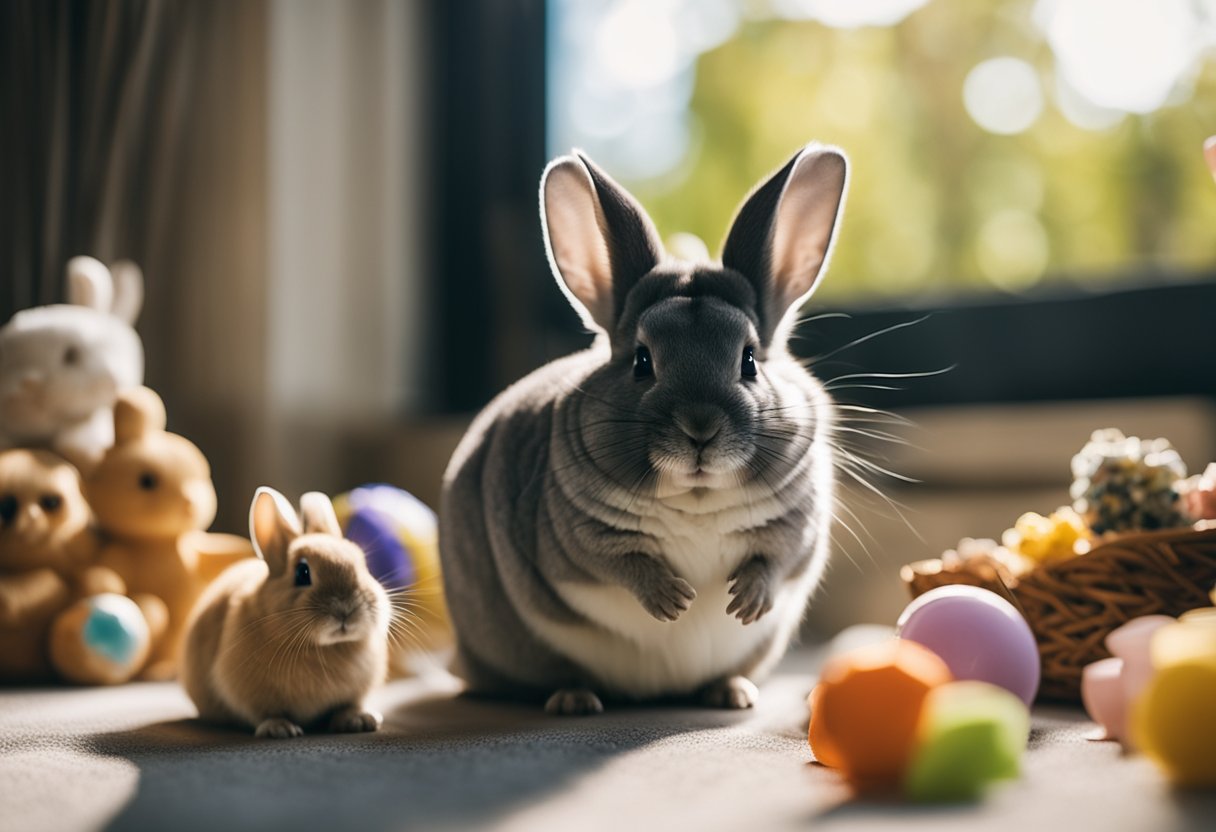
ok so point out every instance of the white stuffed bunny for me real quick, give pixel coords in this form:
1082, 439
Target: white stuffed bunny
62, 366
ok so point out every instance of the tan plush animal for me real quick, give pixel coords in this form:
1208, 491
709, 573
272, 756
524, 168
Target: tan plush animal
153, 498
47, 549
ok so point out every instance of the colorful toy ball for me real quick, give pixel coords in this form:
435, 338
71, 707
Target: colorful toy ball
866, 710
980, 636
970, 734
397, 532
100, 640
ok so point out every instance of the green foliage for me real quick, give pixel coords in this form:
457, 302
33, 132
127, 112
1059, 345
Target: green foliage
937, 204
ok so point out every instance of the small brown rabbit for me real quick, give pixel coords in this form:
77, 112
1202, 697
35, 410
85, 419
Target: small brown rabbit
295, 639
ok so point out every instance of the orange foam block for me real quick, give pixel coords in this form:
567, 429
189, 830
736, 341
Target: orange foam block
866, 708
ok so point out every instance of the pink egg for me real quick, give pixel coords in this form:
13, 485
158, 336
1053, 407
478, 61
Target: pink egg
1102, 695
1130, 643
978, 634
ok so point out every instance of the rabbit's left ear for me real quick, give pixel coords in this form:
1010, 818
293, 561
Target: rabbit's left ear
318, 516
90, 284
782, 237
138, 412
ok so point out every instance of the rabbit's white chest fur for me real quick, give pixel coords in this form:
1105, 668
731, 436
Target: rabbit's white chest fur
640, 656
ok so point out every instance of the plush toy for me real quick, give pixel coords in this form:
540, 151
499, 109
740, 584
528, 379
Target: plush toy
62, 366
153, 498
48, 580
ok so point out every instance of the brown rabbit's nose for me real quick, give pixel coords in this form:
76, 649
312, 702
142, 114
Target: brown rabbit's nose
701, 424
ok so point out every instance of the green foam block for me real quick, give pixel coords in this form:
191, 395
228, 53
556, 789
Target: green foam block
970, 734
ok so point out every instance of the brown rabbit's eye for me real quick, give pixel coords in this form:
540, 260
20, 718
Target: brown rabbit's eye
8, 508
71, 356
50, 503
303, 573
643, 367
148, 481
749, 362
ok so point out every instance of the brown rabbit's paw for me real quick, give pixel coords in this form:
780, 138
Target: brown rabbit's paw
277, 728
667, 597
574, 702
734, 693
355, 721
751, 591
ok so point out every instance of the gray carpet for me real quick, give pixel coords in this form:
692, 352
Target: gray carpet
130, 758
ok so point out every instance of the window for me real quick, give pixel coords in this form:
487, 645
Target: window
1026, 172
997, 146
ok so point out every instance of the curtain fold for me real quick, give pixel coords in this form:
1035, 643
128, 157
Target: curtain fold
91, 112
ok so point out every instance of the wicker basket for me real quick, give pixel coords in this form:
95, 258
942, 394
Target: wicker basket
1072, 604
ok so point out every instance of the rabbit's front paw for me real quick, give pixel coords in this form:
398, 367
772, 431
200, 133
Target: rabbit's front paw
667, 597
278, 728
752, 590
354, 720
574, 702
734, 693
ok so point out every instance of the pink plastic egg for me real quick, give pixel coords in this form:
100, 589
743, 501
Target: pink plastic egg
1102, 695
978, 634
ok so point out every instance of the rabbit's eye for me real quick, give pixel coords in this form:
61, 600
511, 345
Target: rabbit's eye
643, 367
71, 356
303, 573
749, 362
8, 508
148, 481
50, 503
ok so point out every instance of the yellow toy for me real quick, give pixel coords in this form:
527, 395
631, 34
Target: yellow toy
48, 581
153, 497
1174, 720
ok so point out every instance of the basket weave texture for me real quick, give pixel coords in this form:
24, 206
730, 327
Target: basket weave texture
1071, 605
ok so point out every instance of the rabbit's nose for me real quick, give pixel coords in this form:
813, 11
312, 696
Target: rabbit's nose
701, 424
29, 518
32, 381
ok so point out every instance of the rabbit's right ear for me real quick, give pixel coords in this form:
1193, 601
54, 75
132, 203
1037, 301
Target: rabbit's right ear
599, 240
90, 284
128, 291
273, 525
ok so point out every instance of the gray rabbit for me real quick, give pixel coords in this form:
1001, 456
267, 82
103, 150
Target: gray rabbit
649, 517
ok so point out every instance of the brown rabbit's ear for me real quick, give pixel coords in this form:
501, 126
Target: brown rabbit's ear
599, 240
782, 237
138, 412
318, 516
273, 525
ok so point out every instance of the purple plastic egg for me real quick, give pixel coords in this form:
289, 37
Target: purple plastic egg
978, 634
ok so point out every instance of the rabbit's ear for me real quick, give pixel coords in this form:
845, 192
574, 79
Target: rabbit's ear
138, 412
90, 284
273, 525
128, 291
599, 240
782, 237
318, 516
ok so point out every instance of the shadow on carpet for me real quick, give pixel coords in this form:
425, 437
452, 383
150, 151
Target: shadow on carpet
442, 761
